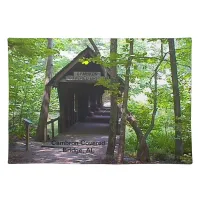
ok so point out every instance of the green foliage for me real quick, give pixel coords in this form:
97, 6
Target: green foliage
28, 49
112, 87
85, 62
130, 141
161, 140
142, 113
26, 80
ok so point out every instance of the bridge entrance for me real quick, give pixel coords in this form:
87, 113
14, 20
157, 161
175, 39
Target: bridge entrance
80, 100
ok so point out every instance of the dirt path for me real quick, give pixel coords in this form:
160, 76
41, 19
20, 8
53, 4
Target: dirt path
79, 147
49, 153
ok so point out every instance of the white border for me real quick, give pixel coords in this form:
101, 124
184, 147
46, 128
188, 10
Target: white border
100, 19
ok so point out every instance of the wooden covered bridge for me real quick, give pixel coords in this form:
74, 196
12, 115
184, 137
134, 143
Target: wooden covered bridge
79, 98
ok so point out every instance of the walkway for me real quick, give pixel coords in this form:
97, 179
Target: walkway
83, 143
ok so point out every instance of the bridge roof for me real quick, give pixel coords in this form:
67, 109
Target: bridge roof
85, 53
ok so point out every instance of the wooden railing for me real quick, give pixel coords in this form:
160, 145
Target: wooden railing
27, 126
28, 123
52, 125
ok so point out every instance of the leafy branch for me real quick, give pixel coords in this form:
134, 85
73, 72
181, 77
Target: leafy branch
155, 98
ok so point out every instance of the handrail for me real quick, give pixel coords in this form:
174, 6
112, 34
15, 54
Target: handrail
52, 120
52, 125
28, 123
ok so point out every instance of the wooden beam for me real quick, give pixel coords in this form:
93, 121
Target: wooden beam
27, 137
27, 127
52, 129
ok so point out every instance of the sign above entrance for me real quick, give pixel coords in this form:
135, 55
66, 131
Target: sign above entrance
83, 76
87, 74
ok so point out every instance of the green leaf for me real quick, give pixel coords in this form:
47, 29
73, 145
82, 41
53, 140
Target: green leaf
85, 62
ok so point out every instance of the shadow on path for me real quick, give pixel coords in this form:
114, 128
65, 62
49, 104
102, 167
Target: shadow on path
88, 144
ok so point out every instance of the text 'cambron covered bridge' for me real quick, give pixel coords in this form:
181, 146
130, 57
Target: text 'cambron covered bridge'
78, 95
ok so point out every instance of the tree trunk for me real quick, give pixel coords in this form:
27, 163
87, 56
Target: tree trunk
120, 157
143, 149
113, 112
22, 106
42, 124
97, 53
176, 97
155, 92
94, 46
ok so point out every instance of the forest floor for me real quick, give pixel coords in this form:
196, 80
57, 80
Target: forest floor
46, 154
76, 152
38, 154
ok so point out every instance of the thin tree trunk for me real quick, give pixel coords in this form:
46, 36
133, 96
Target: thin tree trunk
155, 96
14, 112
113, 112
13, 119
143, 149
41, 130
120, 157
22, 106
97, 53
176, 97
94, 46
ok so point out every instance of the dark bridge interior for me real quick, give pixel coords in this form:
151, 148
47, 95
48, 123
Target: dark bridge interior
80, 102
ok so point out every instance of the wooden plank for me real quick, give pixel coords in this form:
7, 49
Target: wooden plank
27, 137
27, 121
71, 108
52, 129
67, 109
52, 120
61, 94
59, 125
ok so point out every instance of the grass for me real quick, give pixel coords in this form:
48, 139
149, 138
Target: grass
161, 146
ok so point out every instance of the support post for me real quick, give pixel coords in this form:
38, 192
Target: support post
52, 128
27, 127
27, 137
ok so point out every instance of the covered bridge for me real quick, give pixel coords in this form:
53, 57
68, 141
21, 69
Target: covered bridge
79, 98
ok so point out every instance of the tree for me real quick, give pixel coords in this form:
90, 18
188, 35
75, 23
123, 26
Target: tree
176, 97
94, 46
26, 65
120, 156
42, 124
143, 149
113, 112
